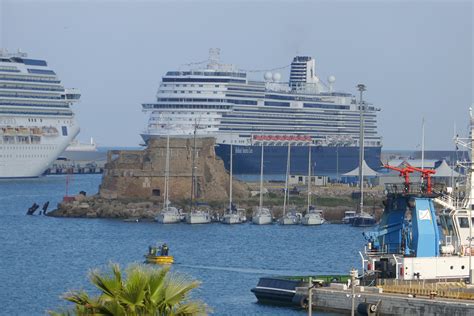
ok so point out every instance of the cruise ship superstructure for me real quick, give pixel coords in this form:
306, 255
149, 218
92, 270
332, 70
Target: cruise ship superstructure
220, 100
36, 120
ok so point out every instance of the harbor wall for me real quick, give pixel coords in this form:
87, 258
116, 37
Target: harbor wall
391, 304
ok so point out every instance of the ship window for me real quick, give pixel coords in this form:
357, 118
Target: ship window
463, 222
64, 130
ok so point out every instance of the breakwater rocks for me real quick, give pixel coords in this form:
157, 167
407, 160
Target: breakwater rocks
96, 207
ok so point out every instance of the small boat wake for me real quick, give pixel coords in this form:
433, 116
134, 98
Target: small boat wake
252, 271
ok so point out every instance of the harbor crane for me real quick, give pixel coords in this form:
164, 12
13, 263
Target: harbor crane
405, 173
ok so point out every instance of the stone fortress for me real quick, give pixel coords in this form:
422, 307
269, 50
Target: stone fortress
141, 173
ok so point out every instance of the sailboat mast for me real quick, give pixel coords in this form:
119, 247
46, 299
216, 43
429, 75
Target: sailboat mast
286, 179
361, 89
261, 179
309, 178
230, 184
193, 167
167, 171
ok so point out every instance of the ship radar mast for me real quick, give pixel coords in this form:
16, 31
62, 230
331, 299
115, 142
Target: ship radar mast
214, 58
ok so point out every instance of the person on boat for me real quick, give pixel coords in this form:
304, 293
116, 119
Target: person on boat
152, 250
164, 250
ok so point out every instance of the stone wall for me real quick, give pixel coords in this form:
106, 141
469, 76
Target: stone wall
141, 174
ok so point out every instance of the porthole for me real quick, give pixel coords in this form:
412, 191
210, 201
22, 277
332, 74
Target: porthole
462, 267
451, 267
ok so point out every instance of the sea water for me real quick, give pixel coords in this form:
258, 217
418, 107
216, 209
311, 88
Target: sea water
43, 257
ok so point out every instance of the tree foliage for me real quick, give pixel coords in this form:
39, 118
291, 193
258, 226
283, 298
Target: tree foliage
140, 291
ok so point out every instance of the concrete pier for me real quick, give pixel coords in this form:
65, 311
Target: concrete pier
339, 300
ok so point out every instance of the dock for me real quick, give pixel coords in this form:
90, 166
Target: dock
339, 299
78, 163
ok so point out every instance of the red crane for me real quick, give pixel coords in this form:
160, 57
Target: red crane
404, 172
426, 176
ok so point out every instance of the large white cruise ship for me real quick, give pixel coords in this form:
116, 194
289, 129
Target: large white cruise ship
36, 121
220, 100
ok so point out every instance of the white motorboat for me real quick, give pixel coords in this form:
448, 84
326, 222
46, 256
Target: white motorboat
169, 215
313, 217
262, 216
198, 217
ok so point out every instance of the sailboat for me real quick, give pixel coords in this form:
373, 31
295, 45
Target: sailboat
196, 216
362, 219
232, 214
169, 214
312, 216
288, 218
262, 215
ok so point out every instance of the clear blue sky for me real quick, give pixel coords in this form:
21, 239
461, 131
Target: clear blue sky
414, 57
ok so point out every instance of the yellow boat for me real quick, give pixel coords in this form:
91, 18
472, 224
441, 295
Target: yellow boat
159, 259
159, 255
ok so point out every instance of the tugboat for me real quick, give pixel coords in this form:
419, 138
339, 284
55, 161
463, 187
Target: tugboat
159, 255
408, 244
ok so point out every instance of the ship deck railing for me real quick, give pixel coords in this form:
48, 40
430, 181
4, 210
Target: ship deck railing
445, 288
414, 188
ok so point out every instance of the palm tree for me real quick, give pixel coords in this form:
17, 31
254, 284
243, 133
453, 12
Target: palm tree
144, 291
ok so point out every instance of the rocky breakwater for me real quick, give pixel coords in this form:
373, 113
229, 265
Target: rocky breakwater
133, 183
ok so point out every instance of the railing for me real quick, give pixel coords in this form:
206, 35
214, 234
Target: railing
455, 289
413, 188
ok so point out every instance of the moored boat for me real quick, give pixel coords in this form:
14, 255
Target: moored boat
348, 217
169, 215
262, 216
198, 217
313, 217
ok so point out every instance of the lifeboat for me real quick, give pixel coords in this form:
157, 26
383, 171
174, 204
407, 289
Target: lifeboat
36, 131
23, 131
50, 131
9, 131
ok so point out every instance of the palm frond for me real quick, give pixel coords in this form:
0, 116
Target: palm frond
109, 285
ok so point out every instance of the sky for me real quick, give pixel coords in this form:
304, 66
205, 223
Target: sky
415, 57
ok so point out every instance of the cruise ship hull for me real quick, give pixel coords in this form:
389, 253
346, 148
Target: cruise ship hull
30, 161
325, 160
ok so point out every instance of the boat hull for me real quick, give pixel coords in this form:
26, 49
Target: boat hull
363, 222
198, 218
325, 161
288, 221
262, 220
159, 259
168, 219
231, 219
311, 221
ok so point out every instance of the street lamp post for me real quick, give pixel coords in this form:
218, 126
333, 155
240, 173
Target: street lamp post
310, 297
353, 278
361, 88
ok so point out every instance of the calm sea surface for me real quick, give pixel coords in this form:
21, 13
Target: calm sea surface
43, 257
